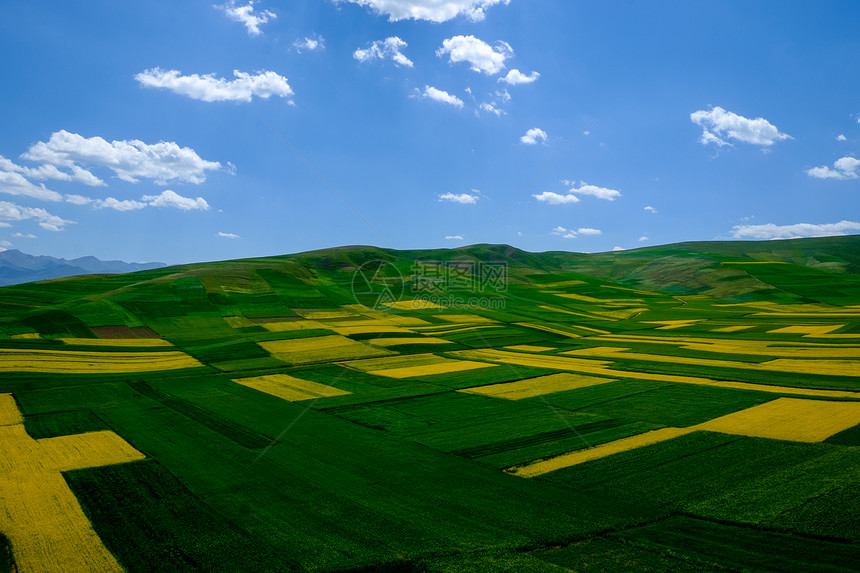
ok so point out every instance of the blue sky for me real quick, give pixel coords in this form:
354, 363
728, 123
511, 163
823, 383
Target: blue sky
192, 131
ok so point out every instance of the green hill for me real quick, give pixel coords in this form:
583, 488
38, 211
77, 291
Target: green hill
686, 407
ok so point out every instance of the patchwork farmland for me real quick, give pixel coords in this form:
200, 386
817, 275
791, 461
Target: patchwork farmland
687, 407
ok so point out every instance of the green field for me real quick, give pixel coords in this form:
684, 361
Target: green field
408, 427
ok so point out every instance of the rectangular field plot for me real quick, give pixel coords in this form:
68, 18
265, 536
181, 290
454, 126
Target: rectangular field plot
790, 419
320, 349
83, 362
531, 387
415, 365
289, 388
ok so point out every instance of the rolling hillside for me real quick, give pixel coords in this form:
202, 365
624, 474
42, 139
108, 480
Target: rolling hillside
687, 407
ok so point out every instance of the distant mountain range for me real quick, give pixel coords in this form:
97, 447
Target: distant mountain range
17, 267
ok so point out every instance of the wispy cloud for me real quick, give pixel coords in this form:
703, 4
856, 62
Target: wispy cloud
309, 44
719, 126
387, 49
574, 233
12, 212
432, 10
208, 88
248, 16
461, 198
166, 198
650, 209
798, 230
453, 237
440, 95
227, 235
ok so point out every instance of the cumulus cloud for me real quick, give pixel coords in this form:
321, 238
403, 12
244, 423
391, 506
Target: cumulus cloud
841, 137
719, 126
77, 199
24, 235
124, 205
771, 231
432, 10
227, 235
481, 56
516, 77
128, 159
16, 184
556, 198
453, 237
461, 198
13, 212
594, 191
617, 248
572, 234
533, 135
168, 198
440, 95
309, 44
846, 168
387, 49
76, 174
248, 16
209, 88
650, 209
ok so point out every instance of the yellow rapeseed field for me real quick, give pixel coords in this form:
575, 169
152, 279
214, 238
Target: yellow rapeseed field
531, 387
416, 304
324, 314
320, 349
408, 340
790, 419
671, 324
127, 342
795, 349
464, 318
548, 329
586, 455
290, 388
601, 368
291, 325
27, 335
414, 365
529, 348
39, 514
735, 328
85, 362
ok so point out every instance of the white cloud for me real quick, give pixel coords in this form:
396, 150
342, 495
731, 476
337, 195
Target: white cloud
5, 244
589, 231
129, 159
125, 205
13, 212
516, 77
617, 248
650, 209
246, 15
387, 49
168, 198
533, 135
16, 184
643, 238
846, 168
719, 125
432, 10
461, 198
593, 190
309, 44
491, 108
24, 236
771, 231
555, 198
453, 237
841, 137
209, 88
481, 56
441, 96
78, 174
77, 199
227, 235
564, 233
